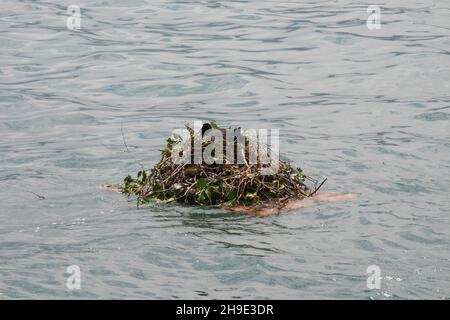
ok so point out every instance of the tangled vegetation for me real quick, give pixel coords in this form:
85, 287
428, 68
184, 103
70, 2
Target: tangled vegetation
217, 184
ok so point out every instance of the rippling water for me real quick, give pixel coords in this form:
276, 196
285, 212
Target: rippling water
369, 109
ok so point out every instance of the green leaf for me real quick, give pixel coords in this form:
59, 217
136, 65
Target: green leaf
202, 183
201, 197
214, 125
251, 198
166, 152
128, 179
230, 195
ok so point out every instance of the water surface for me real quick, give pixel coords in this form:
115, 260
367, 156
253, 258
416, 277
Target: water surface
369, 109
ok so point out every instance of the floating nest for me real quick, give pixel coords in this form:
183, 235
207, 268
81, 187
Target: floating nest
222, 183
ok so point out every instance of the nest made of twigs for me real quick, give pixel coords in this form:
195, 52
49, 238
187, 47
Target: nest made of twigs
217, 184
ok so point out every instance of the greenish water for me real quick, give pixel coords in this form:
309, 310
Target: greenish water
368, 109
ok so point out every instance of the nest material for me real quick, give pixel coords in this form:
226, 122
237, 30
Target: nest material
222, 184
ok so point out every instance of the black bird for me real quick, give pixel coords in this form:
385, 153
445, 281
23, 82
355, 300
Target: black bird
205, 127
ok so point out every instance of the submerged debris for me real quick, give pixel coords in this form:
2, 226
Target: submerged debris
222, 183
